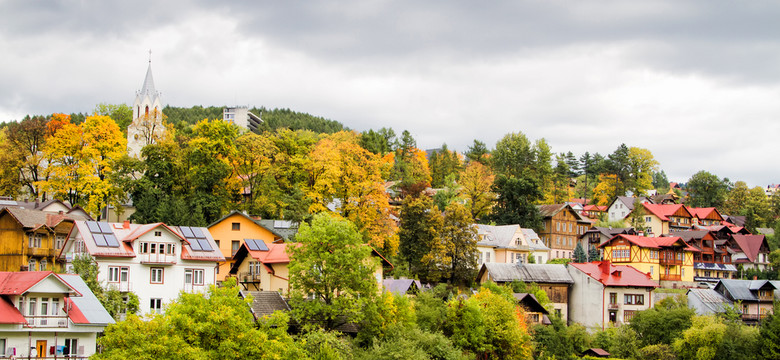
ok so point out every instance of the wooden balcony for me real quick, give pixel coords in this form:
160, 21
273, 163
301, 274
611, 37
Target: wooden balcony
613, 306
47, 321
670, 277
670, 258
248, 277
43, 252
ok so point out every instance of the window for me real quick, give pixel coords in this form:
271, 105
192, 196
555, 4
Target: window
71, 347
613, 298
217, 241
153, 248
651, 270
648, 219
620, 254
236, 226
124, 274
628, 315
188, 277
143, 248
234, 246
487, 257
155, 305
557, 226
55, 306
32, 303
42, 265
31, 265
113, 274
157, 275
2, 347
170, 249
59, 241
158, 233
34, 240
634, 299
197, 275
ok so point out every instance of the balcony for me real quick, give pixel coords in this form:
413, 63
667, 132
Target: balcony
123, 286
752, 317
248, 277
47, 321
670, 258
613, 306
158, 259
670, 277
43, 252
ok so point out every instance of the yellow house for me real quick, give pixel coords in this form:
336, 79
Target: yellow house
31, 239
665, 259
660, 219
231, 231
264, 267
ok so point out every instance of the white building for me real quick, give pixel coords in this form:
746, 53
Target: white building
47, 315
242, 117
147, 126
155, 261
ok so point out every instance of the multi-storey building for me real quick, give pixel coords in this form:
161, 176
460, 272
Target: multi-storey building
660, 219
48, 315
713, 260
155, 261
665, 259
30, 239
562, 229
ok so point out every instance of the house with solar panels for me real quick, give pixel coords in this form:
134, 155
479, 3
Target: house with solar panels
154, 261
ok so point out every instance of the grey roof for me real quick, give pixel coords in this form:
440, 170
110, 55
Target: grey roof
89, 305
148, 88
33, 219
538, 273
530, 302
499, 236
284, 228
534, 242
688, 235
713, 266
743, 289
707, 301
400, 286
265, 303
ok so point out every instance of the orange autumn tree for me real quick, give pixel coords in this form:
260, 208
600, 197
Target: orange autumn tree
347, 179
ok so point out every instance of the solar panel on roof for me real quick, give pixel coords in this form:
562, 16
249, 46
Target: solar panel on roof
111, 240
195, 245
105, 228
198, 233
93, 227
250, 243
99, 240
186, 231
205, 245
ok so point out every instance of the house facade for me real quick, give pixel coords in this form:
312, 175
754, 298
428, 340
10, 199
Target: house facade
539, 250
667, 260
755, 297
562, 227
660, 219
619, 208
604, 293
552, 278
713, 260
751, 251
706, 216
30, 239
48, 315
598, 235
230, 232
155, 261
501, 244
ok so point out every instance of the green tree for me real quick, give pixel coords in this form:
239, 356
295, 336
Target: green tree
515, 203
477, 152
460, 250
334, 267
660, 181
115, 302
664, 322
378, 142
122, 114
443, 163
707, 190
419, 237
579, 254
770, 335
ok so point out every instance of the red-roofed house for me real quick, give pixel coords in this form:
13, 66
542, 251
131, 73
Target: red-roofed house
752, 251
668, 260
604, 293
45, 314
706, 216
155, 261
660, 219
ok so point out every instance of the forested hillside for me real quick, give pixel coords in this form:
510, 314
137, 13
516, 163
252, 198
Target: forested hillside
272, 119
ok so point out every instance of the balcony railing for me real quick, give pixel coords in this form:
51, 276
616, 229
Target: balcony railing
613, 306
247, 277
670, 258
158, 259
36, 251
671, 277
752, 317
123, 286
47, 321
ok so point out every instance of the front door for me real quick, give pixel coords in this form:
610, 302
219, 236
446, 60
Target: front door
40, 347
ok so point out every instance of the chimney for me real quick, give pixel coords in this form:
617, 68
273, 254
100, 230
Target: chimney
755, 277
126, 224
604, 266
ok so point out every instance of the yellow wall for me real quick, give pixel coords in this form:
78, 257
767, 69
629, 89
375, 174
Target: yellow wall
640, 259
14, 245
224, 234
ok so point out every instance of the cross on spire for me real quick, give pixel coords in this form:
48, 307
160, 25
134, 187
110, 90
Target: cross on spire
150, 56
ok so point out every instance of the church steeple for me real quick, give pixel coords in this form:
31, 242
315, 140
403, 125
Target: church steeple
147, 125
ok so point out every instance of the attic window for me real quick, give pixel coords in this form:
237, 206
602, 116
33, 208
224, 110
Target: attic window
236, 226
158, 233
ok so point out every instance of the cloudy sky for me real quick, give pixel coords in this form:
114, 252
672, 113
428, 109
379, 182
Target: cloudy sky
696, 83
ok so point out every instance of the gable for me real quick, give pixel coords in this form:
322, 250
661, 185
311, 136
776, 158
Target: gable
50, 284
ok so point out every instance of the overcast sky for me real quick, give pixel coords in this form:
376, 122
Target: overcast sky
696, 83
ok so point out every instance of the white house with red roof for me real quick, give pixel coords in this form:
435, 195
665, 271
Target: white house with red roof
43, 314
155, 261
752, 251
604, 293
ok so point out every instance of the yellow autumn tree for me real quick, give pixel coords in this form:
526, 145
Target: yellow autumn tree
82, 157
607, 189
475, 186
347, 179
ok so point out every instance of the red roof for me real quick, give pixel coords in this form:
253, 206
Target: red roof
74, 313
594, 208
17, 283
9, 314
702, 213
662, 211
750, 244
276, 254
615, 275
652, 242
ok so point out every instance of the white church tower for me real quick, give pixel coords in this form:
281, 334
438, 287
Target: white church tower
147, 126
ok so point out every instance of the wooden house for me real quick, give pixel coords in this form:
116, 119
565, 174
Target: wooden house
562, 227
665, 259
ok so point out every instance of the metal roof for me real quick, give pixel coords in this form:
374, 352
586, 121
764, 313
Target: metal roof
538, 273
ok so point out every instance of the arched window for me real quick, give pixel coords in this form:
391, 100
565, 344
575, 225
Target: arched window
147, 110
138, 112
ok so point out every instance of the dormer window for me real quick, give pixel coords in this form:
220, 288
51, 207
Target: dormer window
158, 233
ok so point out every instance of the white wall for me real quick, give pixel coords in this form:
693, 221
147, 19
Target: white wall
22, 342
